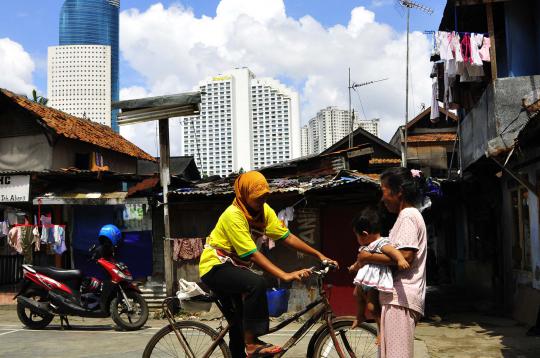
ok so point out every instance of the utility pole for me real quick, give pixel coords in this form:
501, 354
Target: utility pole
353, 86
350, 114
409, 5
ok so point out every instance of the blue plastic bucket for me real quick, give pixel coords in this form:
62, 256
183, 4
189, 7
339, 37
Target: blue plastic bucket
278, 301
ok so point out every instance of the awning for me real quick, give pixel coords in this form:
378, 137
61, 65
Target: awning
162, 107
115, 198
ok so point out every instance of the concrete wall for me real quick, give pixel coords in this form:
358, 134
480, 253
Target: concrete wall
496, 115
25, 153
65, 149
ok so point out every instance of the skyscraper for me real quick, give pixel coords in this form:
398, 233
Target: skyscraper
91, 22
329, 126
245, 122
79, 81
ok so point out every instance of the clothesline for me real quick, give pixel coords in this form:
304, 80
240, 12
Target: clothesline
461, 32
40, 225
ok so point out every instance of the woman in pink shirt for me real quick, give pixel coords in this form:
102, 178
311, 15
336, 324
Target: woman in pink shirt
402, 308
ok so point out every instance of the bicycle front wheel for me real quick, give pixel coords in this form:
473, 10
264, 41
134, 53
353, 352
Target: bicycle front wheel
360, 341
198, 338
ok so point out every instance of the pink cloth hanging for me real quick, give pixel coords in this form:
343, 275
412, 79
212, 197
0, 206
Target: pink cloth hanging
466, 48
187, 249
484, 51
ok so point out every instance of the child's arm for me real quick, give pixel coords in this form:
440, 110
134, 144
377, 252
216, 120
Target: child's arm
396, 255
355, 267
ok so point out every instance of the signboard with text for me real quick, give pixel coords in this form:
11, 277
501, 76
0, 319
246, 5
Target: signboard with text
14, 188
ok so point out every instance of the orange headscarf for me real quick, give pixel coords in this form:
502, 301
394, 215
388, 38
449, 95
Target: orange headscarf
250, 186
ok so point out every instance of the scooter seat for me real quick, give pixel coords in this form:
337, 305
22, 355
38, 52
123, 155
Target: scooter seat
59, 274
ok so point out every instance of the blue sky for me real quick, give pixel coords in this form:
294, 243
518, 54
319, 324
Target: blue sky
34, 23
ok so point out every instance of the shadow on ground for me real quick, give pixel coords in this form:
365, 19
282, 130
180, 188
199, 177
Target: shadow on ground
457, 327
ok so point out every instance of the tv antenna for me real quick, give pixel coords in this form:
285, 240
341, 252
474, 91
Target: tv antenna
409, 5
354, 86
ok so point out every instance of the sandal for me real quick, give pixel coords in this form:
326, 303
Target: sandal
258, 354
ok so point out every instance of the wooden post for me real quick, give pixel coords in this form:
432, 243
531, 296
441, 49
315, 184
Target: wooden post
492, 49
164, 161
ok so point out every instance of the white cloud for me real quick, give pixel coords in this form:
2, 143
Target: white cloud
16, 67
173, 50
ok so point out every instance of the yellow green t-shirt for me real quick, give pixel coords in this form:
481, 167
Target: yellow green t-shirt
232, 234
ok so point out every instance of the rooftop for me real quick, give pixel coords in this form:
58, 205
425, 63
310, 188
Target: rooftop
72, 127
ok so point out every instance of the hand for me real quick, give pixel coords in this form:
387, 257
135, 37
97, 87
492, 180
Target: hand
362, 257
297, 275
354, 267
403, 264
330, 261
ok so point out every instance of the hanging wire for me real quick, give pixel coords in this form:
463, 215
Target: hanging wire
361, 105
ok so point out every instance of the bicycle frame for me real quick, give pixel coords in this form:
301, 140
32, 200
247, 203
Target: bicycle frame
325, 310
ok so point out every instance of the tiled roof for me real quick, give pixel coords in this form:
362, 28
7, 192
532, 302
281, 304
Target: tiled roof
431, 137
78, 129
384, 161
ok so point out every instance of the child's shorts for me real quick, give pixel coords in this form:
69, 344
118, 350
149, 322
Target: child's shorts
366, 288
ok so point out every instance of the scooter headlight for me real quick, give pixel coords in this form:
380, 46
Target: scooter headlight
123, 275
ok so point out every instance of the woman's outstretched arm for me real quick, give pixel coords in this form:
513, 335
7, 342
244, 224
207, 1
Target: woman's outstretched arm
294, 242
275, 271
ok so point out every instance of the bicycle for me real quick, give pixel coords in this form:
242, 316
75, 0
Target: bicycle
333, 338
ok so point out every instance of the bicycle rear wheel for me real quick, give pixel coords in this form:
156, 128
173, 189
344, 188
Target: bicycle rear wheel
198, 336
361, 341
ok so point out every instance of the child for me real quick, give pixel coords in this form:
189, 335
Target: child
372, 278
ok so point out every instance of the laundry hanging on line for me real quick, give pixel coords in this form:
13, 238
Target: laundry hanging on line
461, 58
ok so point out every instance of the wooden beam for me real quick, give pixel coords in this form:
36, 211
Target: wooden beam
476, 2
520, 179
360, 152
492, 49
164, 163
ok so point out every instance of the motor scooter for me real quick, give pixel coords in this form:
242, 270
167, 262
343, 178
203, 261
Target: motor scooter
49, 291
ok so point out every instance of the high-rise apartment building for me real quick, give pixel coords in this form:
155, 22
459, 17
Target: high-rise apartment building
86, 25
329, 126
79, 81
370, 125
245, 123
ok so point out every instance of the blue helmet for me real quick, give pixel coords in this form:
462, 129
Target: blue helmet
112, 233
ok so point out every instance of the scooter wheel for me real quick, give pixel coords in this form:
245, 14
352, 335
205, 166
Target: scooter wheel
31, 319
133, 320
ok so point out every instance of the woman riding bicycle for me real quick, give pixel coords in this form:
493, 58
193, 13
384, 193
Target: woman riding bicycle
228, 255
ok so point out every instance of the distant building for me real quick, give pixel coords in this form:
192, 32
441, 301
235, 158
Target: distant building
329, 126
245, 123
86, 60
79, 81
370, 125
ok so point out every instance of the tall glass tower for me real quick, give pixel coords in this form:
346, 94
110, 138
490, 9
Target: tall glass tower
93, 22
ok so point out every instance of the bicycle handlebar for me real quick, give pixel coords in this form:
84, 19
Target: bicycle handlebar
327, 266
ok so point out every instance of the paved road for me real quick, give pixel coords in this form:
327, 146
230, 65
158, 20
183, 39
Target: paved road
94, 338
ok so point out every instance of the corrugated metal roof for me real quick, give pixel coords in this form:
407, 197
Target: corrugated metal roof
283, 185
112, 198
77, 128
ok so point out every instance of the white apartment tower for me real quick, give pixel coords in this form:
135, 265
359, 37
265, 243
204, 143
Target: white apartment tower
370, 125
245, 123
79, 81
328, 127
